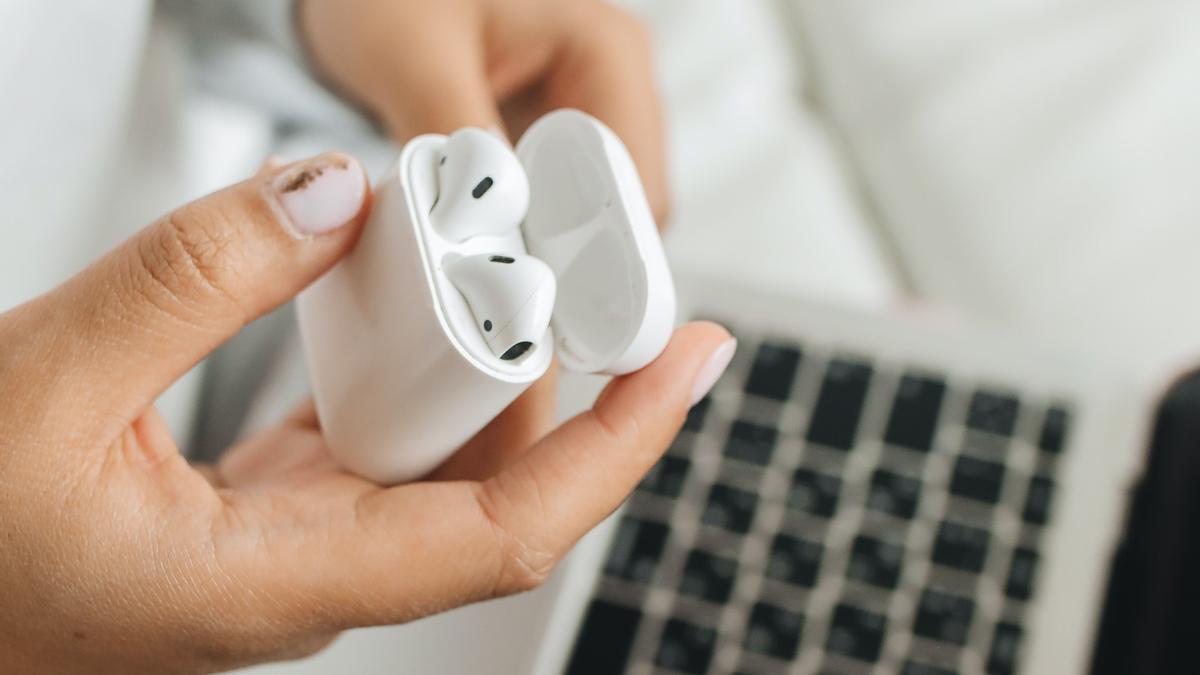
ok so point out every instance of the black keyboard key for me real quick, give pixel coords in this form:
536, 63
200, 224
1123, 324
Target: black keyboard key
977, 479
685, 647
696, 415
839, 404
857, 633
1020, 574
875, 562
773, 631
794, 560
605, 639
730, 508
636, 549
750, 442
894, 494
708, 576
773, 371
913, 420
814, 492
1002, 660
1054, 430
917, 668
944, 617
993, 412
960, 546
1037, 500
667, 477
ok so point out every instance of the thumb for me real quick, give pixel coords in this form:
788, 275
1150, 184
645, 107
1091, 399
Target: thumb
463, 541
582, 471
135, 321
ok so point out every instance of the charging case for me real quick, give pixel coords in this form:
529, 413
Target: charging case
400, 373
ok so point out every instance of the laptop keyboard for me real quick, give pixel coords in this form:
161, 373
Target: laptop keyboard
824, 512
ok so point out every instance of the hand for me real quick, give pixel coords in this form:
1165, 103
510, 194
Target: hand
433, 67
117, 556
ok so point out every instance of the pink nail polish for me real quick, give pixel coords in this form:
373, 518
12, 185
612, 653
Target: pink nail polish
712, 370
322, 194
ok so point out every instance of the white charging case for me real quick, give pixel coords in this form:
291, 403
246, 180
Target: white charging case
401, 375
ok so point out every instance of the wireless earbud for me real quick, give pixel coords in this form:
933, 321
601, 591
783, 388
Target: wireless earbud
511, 298
482, 187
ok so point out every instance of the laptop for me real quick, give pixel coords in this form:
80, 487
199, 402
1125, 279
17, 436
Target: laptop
862, 493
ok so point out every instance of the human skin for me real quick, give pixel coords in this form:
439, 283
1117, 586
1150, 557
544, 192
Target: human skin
116, 555
433, 67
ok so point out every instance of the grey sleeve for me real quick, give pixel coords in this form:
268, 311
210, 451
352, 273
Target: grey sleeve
268, 21
250, 51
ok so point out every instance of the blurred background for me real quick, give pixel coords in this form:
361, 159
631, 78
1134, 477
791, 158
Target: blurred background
1027, 163
1030, 164
1019, 160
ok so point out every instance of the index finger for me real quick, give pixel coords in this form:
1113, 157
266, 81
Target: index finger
605, 67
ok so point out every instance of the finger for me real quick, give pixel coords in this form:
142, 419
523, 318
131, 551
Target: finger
420, 67
135, 321
605, 67
508, 437
464, 541
582, 471
304, 416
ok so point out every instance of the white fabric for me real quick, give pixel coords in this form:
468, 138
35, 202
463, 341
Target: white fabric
68, 71
97, 134
1036, 161
762, 195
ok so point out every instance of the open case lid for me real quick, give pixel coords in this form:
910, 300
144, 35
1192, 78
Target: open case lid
589, 220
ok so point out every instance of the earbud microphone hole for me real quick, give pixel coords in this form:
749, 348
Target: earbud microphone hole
482, 188
516, 351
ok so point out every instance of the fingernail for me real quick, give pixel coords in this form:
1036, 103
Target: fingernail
712, 370
322, 194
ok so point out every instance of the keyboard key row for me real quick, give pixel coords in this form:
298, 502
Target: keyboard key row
609, 630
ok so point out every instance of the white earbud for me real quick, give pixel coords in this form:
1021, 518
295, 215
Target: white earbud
511, 297
482, 188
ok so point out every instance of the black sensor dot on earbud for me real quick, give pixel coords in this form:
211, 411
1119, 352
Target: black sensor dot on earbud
487, 324
442, 160
503, 259
482, 188
516, 351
